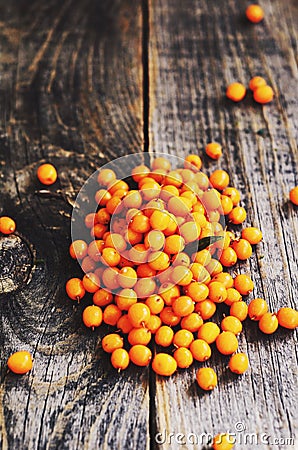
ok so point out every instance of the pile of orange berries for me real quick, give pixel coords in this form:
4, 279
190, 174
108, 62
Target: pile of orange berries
262, 93
154, 266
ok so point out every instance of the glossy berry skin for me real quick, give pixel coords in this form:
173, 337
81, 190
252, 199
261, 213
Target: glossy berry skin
288, 318
183, 338
164, 336
139, 314
254, 13
47, 174
120, 359
252, 234
256, 82
213, 150
268, 323
200, 349
92, 316
294, 195
239, 310
20, 362
257, 308
238, 363
75, 289
140, 355
243, 283
78, 249
183, 357
7, 225
237, 215
231, 323
206, 378
209, 332
164, 364
263, 94
226, 343
223, 441
111, 342
236, 92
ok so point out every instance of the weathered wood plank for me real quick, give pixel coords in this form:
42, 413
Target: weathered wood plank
196, 50
71, 93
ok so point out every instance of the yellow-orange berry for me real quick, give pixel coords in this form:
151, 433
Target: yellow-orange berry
7, 225
120, 359
263, 94
254, 13
268, 323
223, 441
226, 343
236, 92
111, 342
214, 150
140, 355
164, 364
206, 378
92, 316
288, 318
238, 363
47, 174
294, 195
20, 362
183, 357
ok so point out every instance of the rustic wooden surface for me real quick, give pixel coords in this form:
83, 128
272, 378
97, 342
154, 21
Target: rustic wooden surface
81, 83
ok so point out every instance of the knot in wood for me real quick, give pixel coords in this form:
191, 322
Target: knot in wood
16, 262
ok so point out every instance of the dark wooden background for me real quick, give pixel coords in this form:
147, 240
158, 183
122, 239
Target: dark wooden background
85, 81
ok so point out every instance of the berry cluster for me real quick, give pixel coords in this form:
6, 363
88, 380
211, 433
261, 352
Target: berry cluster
154, 265
262, 93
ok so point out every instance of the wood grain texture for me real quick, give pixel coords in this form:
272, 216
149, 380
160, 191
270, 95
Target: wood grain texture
195, 51
71, 93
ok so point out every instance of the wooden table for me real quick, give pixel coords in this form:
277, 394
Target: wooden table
83, 82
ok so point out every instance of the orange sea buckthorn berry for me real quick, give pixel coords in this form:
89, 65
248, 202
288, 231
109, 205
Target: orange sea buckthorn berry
138, 254
102, 297
217, 292
239, 310
139, 314
103, 216
111, 314
123, 324
140, 223
168, 191
110, 256
168, 292
254, 13
242, 248
252, 234
193, 161
183, 338
173, 178
7, 225
118, 185
268, 323
159, 220
91, 282
20, 362
150, 190
219, 179
244, 284
211, 200
288, 318
232, 296
168, 317
226, 342
161, 163
206, 309
228, 257
120, 359
214, 268
223, 441
154, 323
90, 220
140, 355
158, 260
155, 303
237, 215
200, 349
116, 241
47, 174
140, 172
110, 278
102, 196
206, 378
203, 257
263, 94
111, 342
231, 323
127, 277
164, 364
236, 92
78, 249
75, 289
214, 150
238, 363
145, 287
92, 316
98, 230
181, 275
183, 305
183, 357
181, 259
164, 336
114, 205
139, 336
174, 244
257, 308
125, 299
225, 278
94, 251
256, 82
145, 271
105, 177
294, 195
154, 240
208, 332
226, 204
133, 237
233, 194
190, 231
192, 322
88, 264
197, 291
